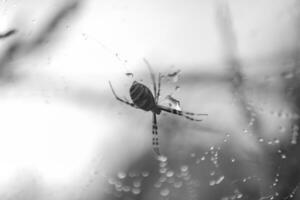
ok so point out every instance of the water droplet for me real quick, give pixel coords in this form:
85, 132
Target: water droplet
174, 75
170, 173
261, 140
226, 198
145, 173
276, 141
162, 158
233, 160
212, 173
118, 188
129, 74
137, 183
162, 179
220, 179
157, 184
164, 192
126, 188
178, 184
121, 175
163, 164
118, 183
283, 156
270, 142
203, 158
184, 168
239, 196
212, 182
136, 191
173, 103
162, 170
294, 137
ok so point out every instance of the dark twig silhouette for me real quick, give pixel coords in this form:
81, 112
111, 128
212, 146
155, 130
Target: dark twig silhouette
7, 34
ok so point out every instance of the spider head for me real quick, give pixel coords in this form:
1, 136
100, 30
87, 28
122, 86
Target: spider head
158, 111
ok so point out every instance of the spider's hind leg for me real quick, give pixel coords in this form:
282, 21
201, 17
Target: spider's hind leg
155, 139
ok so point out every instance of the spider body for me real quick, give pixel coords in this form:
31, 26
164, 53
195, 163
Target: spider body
143, 98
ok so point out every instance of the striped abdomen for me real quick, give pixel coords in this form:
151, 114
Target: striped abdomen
142, 97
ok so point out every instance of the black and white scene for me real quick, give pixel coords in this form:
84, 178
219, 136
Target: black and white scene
149, 100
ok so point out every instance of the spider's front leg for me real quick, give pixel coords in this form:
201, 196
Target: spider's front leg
152, 75
187, 115
159, 85
120, 99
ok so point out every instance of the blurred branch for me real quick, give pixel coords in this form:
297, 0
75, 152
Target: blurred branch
21, 47
8, 34
236, 75
53, 25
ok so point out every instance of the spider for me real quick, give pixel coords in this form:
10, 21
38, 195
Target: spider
143, 98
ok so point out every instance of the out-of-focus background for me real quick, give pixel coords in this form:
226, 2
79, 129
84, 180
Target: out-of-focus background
64, 136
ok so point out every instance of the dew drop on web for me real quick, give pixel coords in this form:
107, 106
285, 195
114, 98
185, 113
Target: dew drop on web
129, 74
164, 192
174, 76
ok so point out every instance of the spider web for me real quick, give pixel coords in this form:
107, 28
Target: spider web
247, 148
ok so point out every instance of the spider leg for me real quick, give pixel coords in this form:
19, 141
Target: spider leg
181, 113
119, 99
158, 91
193, 114
152, 75
155, 142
